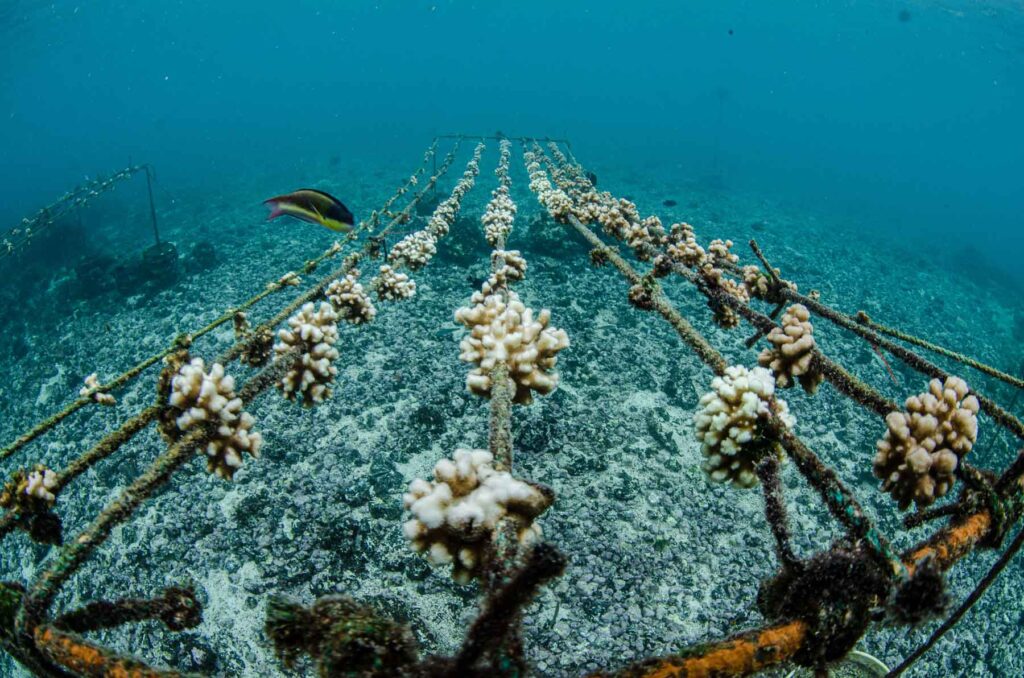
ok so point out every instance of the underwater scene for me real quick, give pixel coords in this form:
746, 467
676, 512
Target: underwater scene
450, 338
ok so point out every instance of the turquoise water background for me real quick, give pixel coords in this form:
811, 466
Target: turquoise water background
873, 149
905, 115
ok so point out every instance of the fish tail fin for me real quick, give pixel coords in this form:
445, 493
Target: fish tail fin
275, 209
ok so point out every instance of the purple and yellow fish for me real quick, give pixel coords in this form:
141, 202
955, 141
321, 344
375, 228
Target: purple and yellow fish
312, 206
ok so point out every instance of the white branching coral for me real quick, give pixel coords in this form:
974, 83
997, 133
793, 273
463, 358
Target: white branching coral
558, 204
350, 300
555, 200
720, 252
729, 423
448, 209
454, 515
289, 279
683, 246
501, 171
441, 220
392, 285
499, 216
589, 205
207, 399
506, 332
724, 316
92, 390
508, 266
619, 218
791, 357
30, 493
509, 263
918, 457
313, 332
417, 248
414, 250
642, 235
40, 484
559, 156
756, 282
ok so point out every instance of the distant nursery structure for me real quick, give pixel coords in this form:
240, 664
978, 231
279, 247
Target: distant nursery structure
475, 516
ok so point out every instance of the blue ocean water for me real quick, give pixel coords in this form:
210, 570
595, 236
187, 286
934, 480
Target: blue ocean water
872, 147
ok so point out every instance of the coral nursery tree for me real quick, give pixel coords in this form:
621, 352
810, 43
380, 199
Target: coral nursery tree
476, 517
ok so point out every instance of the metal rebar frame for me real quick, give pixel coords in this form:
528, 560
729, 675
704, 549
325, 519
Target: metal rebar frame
43, 641
18, 237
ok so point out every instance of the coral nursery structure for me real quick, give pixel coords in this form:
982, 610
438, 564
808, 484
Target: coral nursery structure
478, 517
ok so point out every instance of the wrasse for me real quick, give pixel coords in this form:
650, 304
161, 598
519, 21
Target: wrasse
312, 206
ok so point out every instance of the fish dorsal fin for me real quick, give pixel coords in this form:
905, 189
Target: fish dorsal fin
319, 192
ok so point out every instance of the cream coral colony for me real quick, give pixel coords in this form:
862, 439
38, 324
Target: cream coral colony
453, 515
